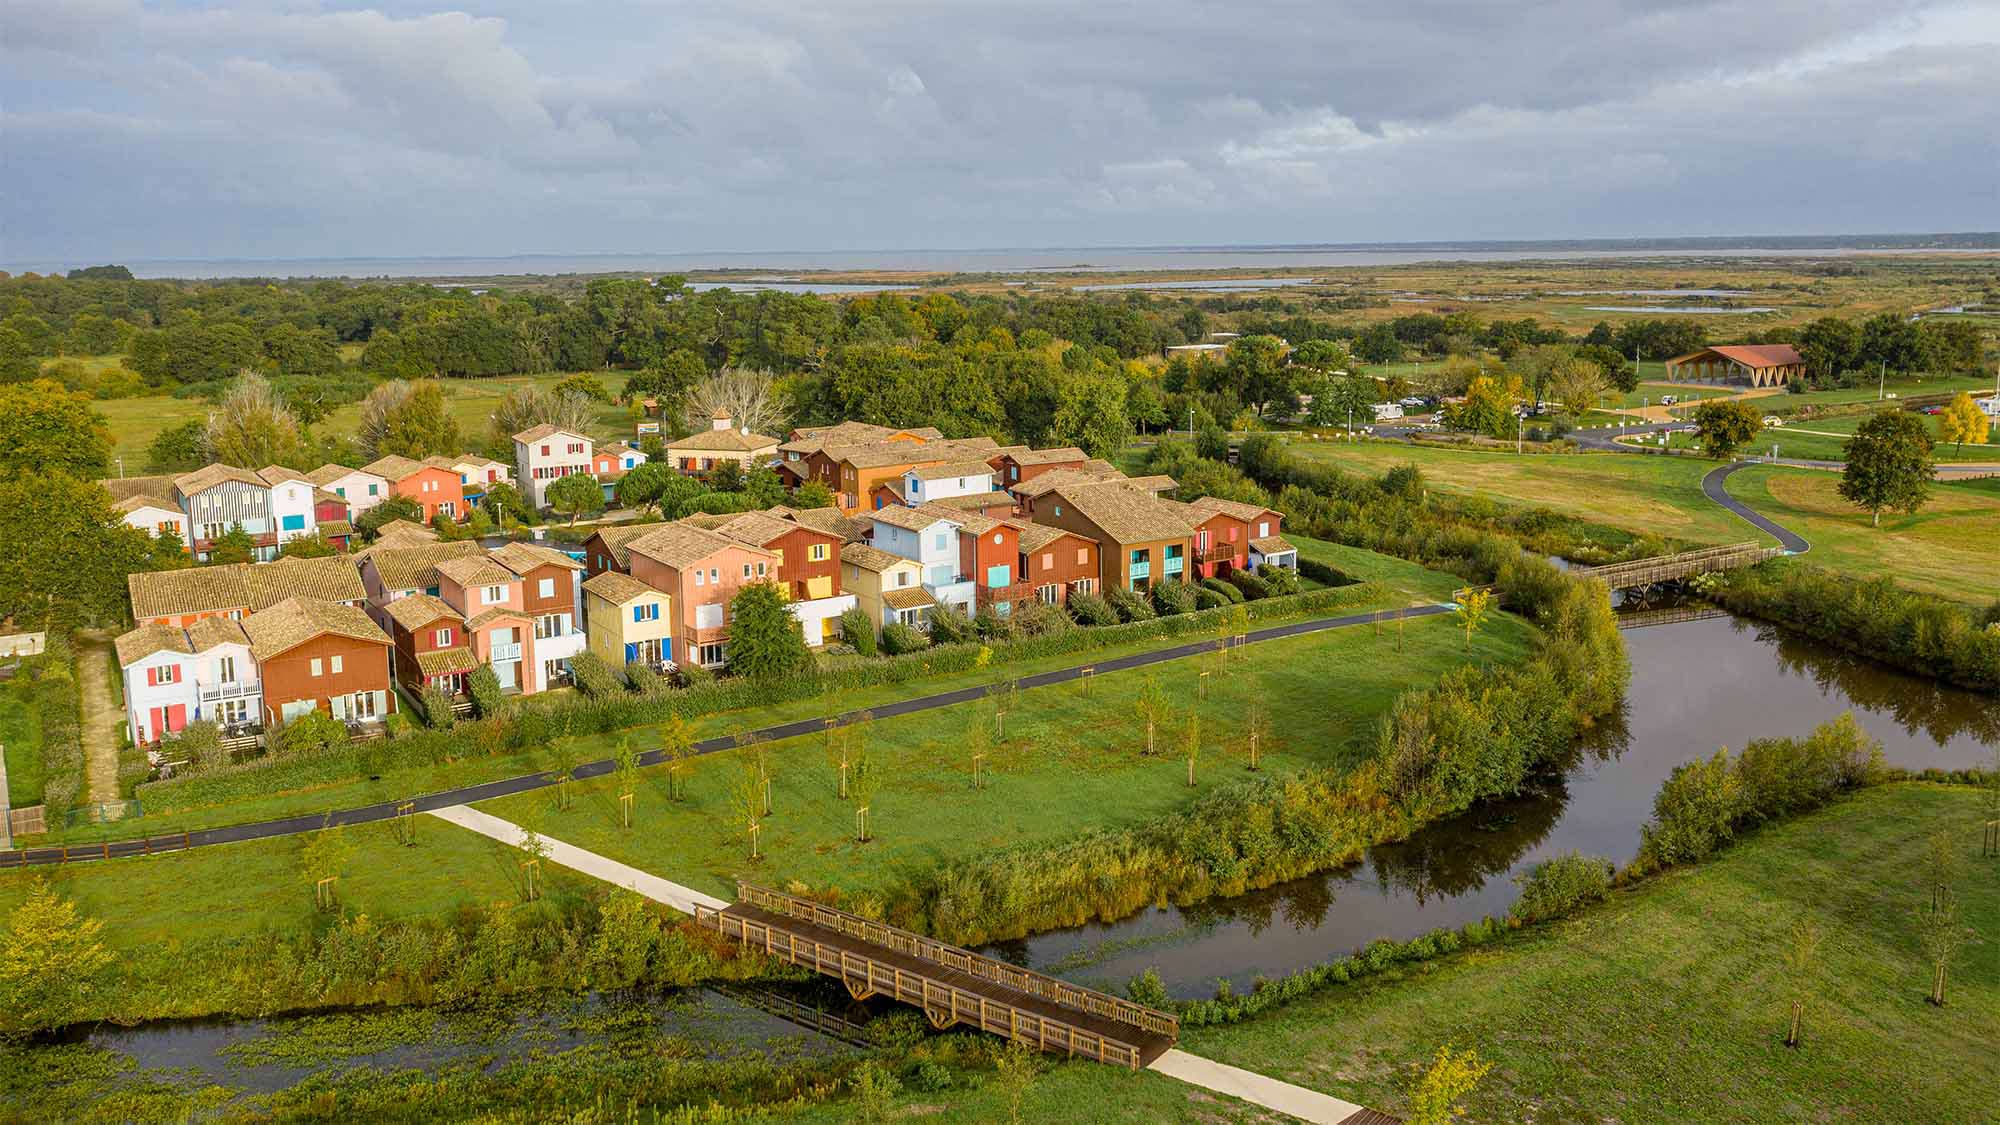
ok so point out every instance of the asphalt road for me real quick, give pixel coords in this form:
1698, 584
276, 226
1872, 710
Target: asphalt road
1712, 487
294, 825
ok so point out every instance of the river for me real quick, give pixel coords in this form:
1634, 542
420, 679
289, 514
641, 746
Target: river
1696, 686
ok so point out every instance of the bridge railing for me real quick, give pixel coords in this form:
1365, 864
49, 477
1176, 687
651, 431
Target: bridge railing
943, 1003
962, 960
1666, 568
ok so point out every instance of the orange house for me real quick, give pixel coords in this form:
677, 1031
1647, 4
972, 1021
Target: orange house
434, 489
701, 572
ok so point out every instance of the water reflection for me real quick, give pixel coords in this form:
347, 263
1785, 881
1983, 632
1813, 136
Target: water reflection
1697, 685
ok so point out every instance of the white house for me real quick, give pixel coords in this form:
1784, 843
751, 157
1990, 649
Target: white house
291, 502
1989, 406
546, 453
361, 489
158, 668
932, 542
153, 515
942, 482
227, 688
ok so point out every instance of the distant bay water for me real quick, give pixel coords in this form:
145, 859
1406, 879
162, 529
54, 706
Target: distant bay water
1014, 261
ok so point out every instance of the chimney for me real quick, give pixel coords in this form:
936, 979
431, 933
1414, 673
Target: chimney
719, 420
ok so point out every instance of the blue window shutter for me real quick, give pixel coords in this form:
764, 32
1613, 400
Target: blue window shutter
631, 653
638, 613
666, 648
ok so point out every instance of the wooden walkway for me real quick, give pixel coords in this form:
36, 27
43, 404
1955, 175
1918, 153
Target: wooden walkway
1687, 564
950, 984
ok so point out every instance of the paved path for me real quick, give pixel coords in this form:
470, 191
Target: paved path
100, 718
470, 794
1307, 1105
683, 899
1712, 487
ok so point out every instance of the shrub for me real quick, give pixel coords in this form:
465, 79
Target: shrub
435, 704
859, 631
483, 685
1130, 606
1090, 609
765, 642
1040, 619
949, 626
312, 733
899, 639
929, 1076
645, 680
1280, 581
200, 745
1148, 989
1253, 587
693, 675
993, 627
1172, 598
594, 678
1555, 887
1206, 598
1323, 574
1223, 590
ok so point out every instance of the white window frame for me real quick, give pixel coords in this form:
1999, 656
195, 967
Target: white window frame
333, 664
315, 668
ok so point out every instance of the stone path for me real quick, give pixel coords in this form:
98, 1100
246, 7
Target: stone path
1296, 1101
100, 718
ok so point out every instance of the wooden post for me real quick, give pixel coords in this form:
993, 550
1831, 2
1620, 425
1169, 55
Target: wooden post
625, 807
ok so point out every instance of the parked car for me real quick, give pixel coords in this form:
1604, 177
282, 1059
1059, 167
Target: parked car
1772, 421
1932, 410
1669, 400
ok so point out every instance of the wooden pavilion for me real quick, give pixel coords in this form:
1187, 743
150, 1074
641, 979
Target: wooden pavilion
1750, 365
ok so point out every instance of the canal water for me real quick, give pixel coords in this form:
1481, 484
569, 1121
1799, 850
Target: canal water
1696, 686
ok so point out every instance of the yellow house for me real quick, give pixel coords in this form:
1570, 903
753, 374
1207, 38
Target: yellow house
628, 622
886, 587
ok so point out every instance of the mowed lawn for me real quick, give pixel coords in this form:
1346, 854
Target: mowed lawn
1950, 547
1662, 496
236, 890
1073, 761
1670, 1002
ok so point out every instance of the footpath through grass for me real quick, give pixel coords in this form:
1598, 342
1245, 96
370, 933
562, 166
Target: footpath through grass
1669, 1003
1073, 761
1404, 584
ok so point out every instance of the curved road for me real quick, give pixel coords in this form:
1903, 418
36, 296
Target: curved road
294, 825
1712, 486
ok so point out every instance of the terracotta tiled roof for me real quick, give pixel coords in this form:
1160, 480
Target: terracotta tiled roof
680, 545
524, 557
497, 613
1037, 536
974, 522
1126, 514
329, 529
616, 588
909, 597
723, 441
295, 621
1158, 482
445, 661
200, 589
327, 474
1271, 545
994, 499
137, 501
1235, 509
146, 640
915, 519
618, 540
1056, 478
1051, 456
212, 631
414, 567
1009, 451
537, 433
122, 488
278, 474
476, 570
419, 610
951, 469
829, 520
393, 467
333, 578
869, 558
1752, 355
208, 476
406, 529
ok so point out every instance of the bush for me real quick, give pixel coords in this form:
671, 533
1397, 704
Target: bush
1279, 581
1040, 619
594, 678
899, 639
1223, 590
859, 631
483, 685
1148, 989
646, 681
58, 709
1254, 588
1172, 598
1704, 804
993, 627
929, 1076
1205, 598
435, 704
311, 734
1090, 609
200, 745
949, 626
1130, 606
1555, 887
1323, 574
693, 675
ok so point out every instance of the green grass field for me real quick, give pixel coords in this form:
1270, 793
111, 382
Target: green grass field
1670, 1003
21, 738
1073, 761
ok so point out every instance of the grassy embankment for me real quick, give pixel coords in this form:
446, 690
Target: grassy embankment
167, 812
1072, 762
21, 737
1825, 439
1946, 548
1670, 1002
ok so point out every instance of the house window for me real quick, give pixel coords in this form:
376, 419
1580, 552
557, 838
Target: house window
1049, 595
711, 654
996, 539
902, 578
715, 575
492, 595
546, 588
1083, 556
1232, 535
441, 638
225, 669
817, 552
1058, 509
943, 541
1048, 560
315, 668
760, 570
647, 612
576, 447
340, 492
545, 451
234, 712
374, 489
164, 674
293, 523
746, 571
551, 625
1263, 529
698, 578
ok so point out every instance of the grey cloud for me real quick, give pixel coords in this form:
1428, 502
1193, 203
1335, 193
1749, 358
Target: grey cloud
303, 131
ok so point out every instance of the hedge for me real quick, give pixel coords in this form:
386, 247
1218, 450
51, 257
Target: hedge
535, 721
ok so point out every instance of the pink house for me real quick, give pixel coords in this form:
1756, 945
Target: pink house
700, 571
498, 626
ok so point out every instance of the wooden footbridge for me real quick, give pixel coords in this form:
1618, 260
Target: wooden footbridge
1687, 564
950, 984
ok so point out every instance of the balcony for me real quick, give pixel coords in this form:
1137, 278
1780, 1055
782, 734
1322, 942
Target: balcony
1140, 570
995, 595
232, 689
1215, 552
1174, 566
503, 652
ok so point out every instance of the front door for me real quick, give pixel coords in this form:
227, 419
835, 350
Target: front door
509, 674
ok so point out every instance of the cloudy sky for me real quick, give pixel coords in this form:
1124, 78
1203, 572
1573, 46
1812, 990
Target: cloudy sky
294, 129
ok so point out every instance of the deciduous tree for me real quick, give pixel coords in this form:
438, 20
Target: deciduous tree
1801, 958
575, 495
1888, 465
46, 429
1434, 1096
1963, 422
1726, 425
251, 427
52, 962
